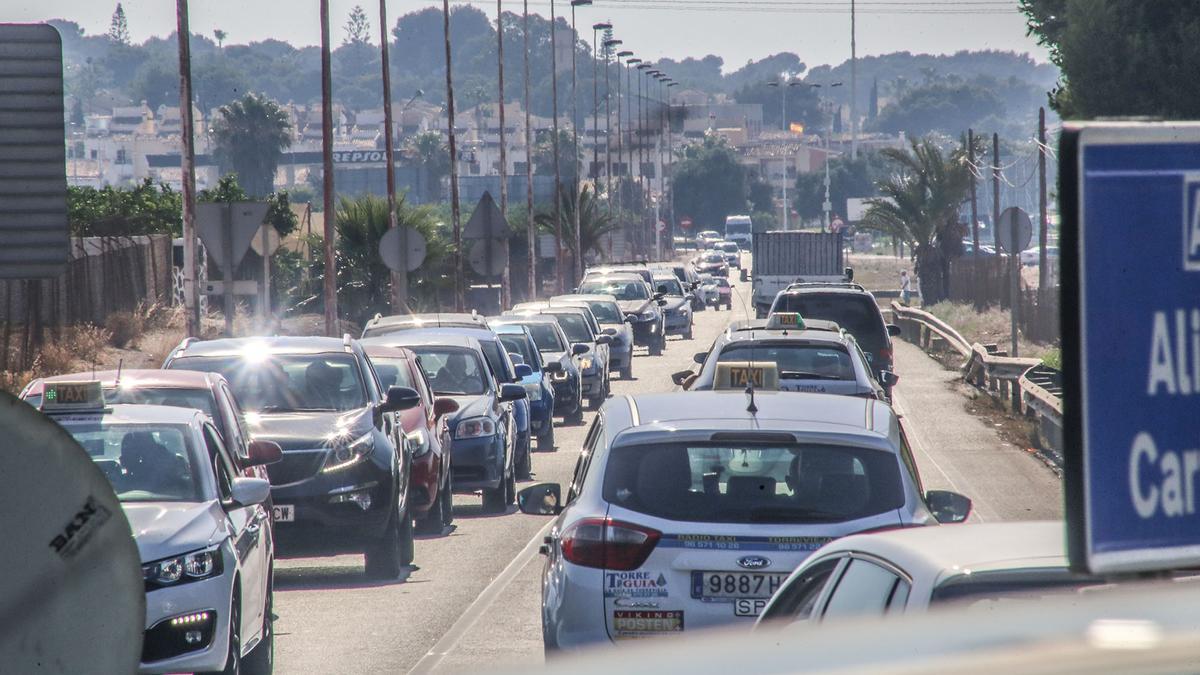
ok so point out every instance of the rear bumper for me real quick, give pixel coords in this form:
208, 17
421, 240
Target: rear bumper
646, 332
541, 414
593, 384
678, 323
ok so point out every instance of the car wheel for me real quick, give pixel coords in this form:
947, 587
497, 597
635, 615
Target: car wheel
687, 334
576, 417
627, 371
233, 657
384, 557
525, 465
435, 518
545, 440
447, 503
261, 661
510, 489
493, 498
656, 347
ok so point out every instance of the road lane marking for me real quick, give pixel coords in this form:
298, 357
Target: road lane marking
480, 606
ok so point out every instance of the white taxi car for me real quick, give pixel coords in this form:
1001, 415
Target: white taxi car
689, 510
200, 527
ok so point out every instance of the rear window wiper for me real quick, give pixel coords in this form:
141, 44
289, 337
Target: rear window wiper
801, 375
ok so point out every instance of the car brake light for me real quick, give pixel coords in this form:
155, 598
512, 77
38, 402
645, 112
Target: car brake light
885, 355
605, 543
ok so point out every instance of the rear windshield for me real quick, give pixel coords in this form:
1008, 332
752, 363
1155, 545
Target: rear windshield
518, 344
668, 286
729, 247
606, 312
623, 290
575, 326
795, 360
286, 382
724, 483
856, 313
175, 397
546, 338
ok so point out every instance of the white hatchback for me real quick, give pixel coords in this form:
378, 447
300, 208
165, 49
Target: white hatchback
689, 510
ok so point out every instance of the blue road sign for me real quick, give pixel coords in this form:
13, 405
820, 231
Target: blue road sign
1131, 345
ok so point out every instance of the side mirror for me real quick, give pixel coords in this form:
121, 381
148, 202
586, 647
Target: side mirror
553, 367
263, 453
948, 507
661, 294
249, 491
444, 406
700, 357
629, 318
511, 392
661, 303
543, 499
400, 398
681, 377
611, 332
888, 379
579, 348
517, 359
603, 339
523, 370
893, 330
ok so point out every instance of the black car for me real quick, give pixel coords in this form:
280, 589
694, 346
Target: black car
853, 308
642, 307
483, 430
345, 471
558, 359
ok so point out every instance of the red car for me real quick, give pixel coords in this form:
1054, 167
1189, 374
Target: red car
207, 392
431, 500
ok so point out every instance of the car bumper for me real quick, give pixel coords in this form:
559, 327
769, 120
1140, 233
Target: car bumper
566, 396
593, 383
541, 414
645, 332
161, 638
354, 503
620, 356
477, 463
573, 608
678, 323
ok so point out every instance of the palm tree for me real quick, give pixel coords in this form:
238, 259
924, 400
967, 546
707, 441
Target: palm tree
364, 281
920, 202
251, 135
430, 152
594, 220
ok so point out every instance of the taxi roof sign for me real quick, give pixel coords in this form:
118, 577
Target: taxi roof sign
740, 374
785, 320
72, 396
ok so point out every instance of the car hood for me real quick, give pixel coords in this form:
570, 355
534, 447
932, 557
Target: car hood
674, 302
165, 529
471, 406
633, 306
307, 430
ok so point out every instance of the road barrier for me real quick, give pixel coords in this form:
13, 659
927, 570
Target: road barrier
1027, 385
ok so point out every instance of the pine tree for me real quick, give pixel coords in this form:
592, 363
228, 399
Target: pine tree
873, 106
358, 27
118, 29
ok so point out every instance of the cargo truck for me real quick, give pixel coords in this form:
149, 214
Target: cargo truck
783, 258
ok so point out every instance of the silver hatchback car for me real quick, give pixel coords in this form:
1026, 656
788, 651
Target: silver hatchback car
690, 510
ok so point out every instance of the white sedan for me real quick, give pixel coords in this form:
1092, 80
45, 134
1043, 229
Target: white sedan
198, 524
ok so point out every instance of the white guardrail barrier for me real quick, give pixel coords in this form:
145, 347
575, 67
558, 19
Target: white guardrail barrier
1027, 385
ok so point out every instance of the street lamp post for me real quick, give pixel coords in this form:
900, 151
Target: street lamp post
505, 279
608, 45
671, 84
784, 126
575, 138
459, 289
531, 230
596, 28
633, 61
621, 137
643, 123
558, 242
827, 205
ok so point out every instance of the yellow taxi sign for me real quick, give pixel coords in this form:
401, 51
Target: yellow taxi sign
72, 396
740, 374
785, 320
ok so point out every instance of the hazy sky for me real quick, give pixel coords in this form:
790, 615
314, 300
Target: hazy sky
737, 30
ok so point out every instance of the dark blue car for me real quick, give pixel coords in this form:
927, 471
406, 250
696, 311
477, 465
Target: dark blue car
517, 340
484, 429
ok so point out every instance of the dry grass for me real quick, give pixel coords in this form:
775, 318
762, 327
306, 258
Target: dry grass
989, 327
878, 272
125, 328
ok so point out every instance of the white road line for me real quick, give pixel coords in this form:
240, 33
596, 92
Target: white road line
479, 607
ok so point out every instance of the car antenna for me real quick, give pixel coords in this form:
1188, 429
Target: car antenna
117, 381
752, 408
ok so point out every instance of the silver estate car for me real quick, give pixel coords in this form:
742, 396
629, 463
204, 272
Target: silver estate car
690, 510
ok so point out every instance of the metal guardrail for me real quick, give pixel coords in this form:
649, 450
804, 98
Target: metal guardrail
1027, 385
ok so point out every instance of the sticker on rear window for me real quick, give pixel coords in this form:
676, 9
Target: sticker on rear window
730, 543
646, 623
635, 585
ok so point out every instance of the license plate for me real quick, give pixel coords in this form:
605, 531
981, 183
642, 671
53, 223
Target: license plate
283, 513
735, 585
748, 607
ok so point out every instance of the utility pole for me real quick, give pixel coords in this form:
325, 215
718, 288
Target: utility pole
399, 279
531, 229
608, 45
505, 278
974, 216
330, 286
596, 28
641, 145
188, 168
996, 191
459, 281
620, 141
575, 120
558, 242
1043, 272
671, 158
853, 85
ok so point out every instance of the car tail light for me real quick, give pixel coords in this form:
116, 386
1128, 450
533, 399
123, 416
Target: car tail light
885, 356
605, 543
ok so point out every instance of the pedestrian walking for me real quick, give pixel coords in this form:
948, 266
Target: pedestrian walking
905, 287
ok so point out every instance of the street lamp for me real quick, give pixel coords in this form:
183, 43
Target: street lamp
558, 272
575, 135
626, 54
671, 84
634, 128
596, 28
784, 125
530, 227
827, 206
643, 152
608, 49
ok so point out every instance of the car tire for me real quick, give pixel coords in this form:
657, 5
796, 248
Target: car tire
510, 489
435, 518
545, 440
656, 347
448, 503
524, 467
493, 498
261, 660
576, 417
233, 656
687, 334
384, 558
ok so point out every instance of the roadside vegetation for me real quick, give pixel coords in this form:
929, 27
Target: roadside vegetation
991, 326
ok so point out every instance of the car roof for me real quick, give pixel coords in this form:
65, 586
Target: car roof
761, 325
376, 349
125, 412
812, 288
484, 333
424, 337
614, 275
273, 345
522, 318
965, 548
445, 319
763, 335
163, 379
509, 328
585, 297
776, 410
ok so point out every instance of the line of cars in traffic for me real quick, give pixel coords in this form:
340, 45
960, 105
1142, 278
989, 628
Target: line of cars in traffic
238, 448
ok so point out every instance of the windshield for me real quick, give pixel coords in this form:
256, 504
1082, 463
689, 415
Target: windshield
519, 344
714, 257
794, 360
729, 247
669, 286
198, 399
280, 383
392, 371
753, 483
575, 326
856, 313
606, 312
451, 371
547, 339
622, 290
144, 462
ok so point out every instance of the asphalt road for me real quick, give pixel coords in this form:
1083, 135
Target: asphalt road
471, 600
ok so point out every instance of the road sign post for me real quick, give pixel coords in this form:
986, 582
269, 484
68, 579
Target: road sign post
489, 229
1130, 196
227, 230
1014, 231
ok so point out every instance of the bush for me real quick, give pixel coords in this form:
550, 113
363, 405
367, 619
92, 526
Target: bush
125, 328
